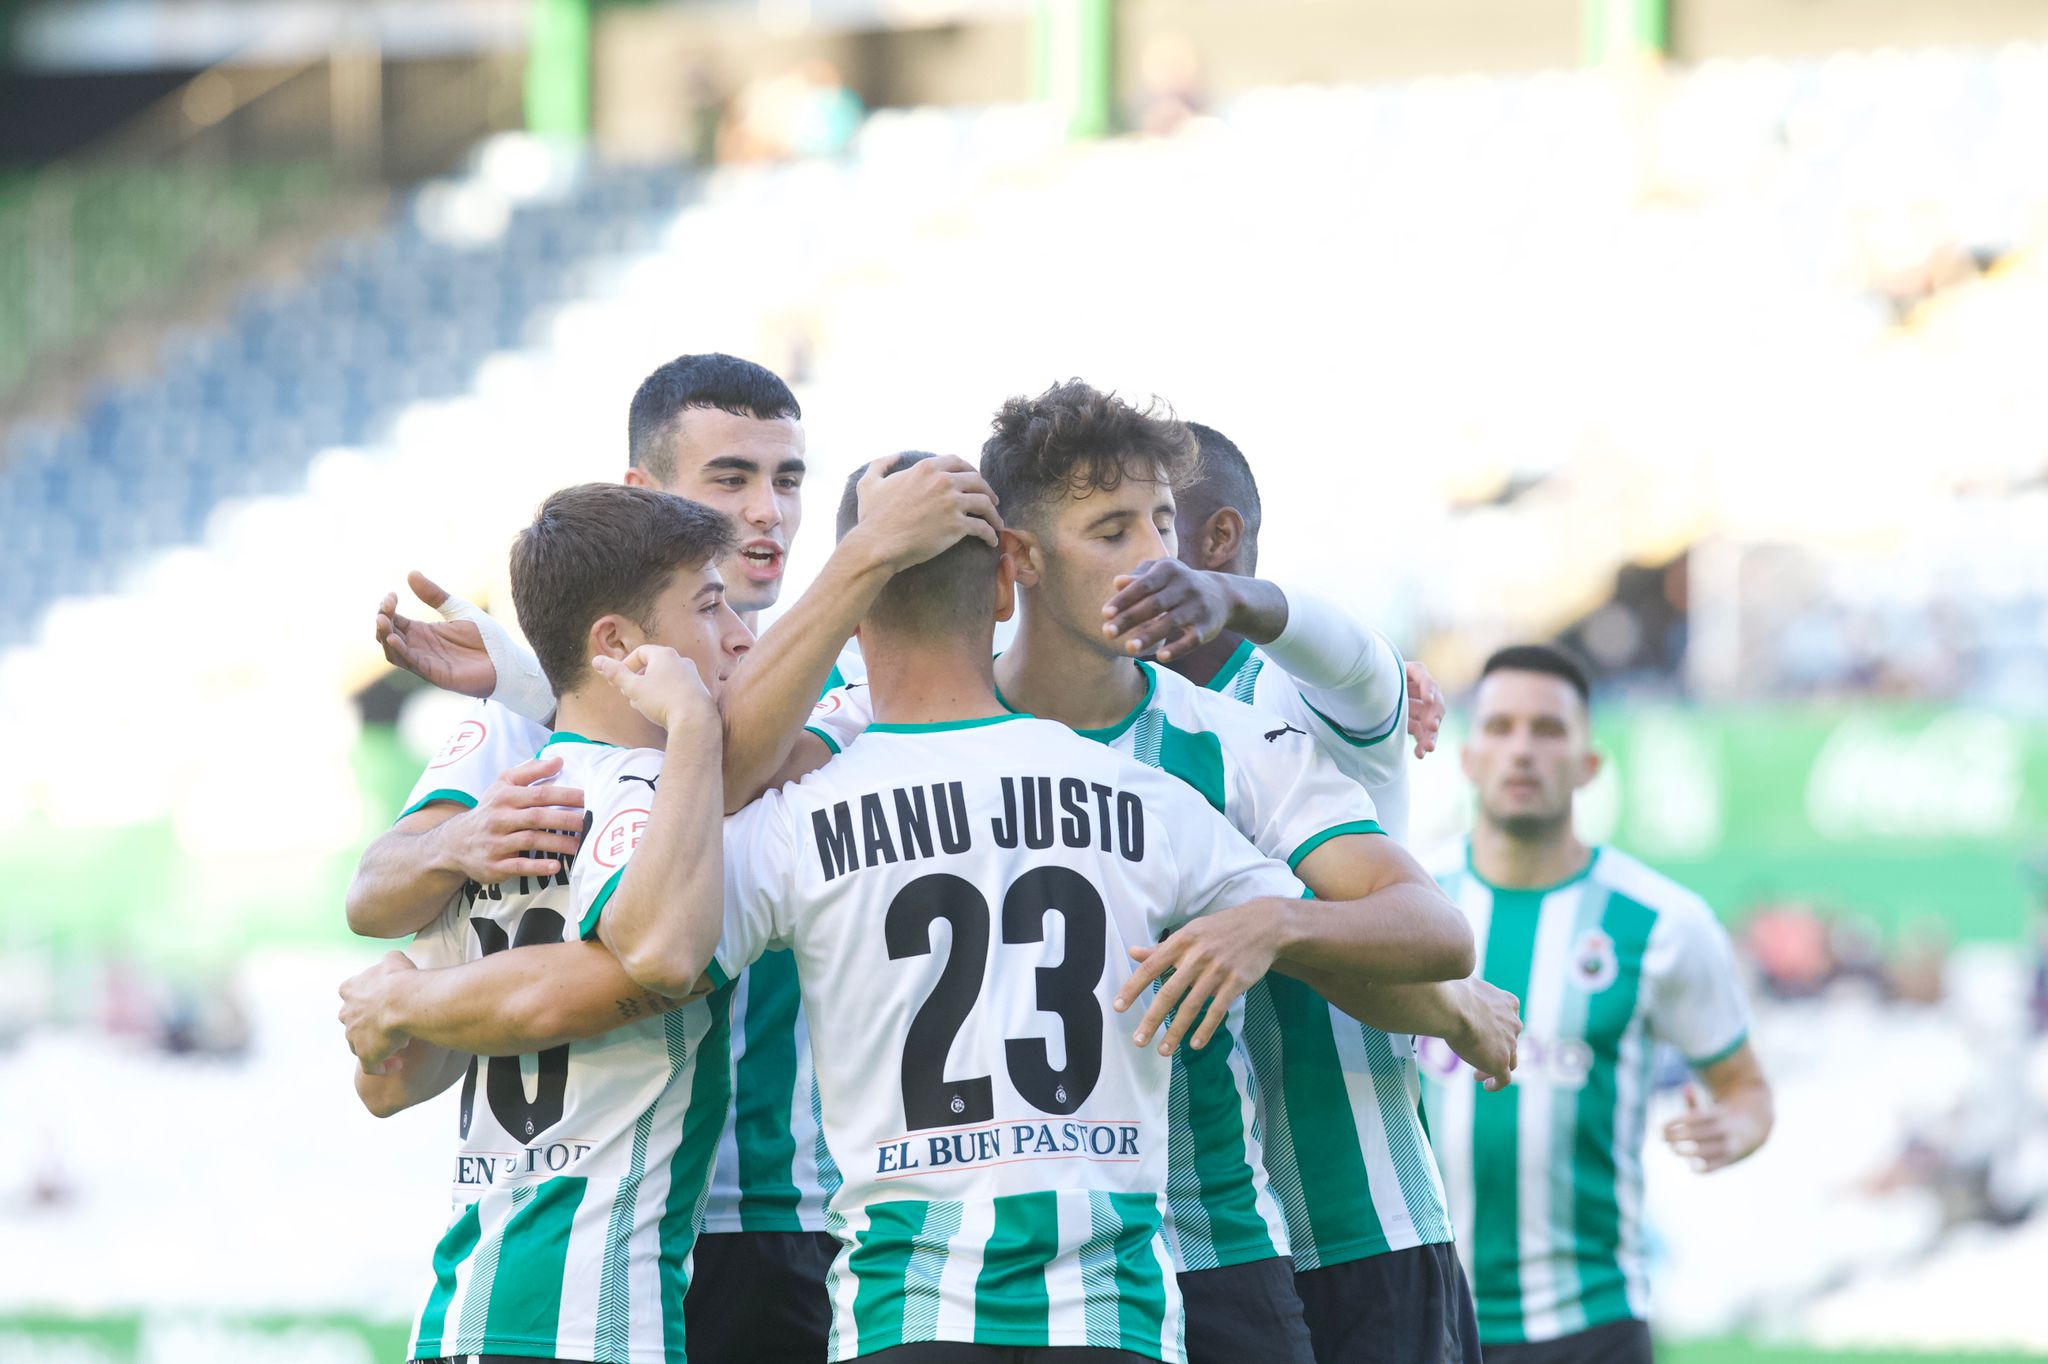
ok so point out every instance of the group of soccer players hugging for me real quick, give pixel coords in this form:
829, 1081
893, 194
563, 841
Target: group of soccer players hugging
854, 991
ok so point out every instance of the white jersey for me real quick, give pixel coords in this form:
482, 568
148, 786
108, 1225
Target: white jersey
580, 1174
1546, 1175
1375, 758
1001, 1144
488, 741
1305, 1093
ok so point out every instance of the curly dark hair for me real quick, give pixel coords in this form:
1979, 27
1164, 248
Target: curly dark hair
1073, 438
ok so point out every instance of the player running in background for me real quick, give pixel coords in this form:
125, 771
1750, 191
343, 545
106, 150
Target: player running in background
1002, 1142
577, 1192
1083, 508
1610, 959
1210, 620
726, 432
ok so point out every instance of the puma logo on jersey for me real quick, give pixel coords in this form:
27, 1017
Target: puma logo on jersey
1273, 734
648, 780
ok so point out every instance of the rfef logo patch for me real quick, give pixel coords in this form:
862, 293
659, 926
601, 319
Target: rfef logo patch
467, 738
616, 841
1593, 965
828, 704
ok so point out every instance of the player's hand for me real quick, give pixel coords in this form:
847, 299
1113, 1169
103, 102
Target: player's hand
1709, 1137
1487, 1038
1164, 609
1215, 958
521, 827
448, 653
1425, 709
365, 1000
663, 686
926, 509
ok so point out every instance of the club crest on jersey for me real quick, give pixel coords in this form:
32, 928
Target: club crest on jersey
1593, 965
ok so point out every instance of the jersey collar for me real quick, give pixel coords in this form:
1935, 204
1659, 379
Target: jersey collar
563, 736
938, 726
1232, 665
1592, 861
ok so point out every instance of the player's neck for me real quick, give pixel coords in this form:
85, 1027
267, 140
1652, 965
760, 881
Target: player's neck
1515, 862
915, 684
1204, 661
1048, 673
597, 711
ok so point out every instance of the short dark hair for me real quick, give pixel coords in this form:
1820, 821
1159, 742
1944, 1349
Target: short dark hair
951, 591
1073, 438
1541, 658
599, 549
1222, 478
725, 382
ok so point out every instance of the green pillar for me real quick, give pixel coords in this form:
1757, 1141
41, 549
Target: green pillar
558, 68
1073, 51
1625, 30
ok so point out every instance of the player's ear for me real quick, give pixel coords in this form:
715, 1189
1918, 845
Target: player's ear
636, 477
1221, 539
1590, 764
1020, 549
1006, 585
615, 636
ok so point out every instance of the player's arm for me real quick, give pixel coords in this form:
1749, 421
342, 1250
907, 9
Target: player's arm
661, 912
1479, 1022
510, 1003
408, 873
1377, 916
413, 1074
467, 651
905, 519
1737, 1121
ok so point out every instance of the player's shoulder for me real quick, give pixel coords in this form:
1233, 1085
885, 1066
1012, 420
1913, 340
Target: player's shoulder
1633, 879
590, 761
1238, 724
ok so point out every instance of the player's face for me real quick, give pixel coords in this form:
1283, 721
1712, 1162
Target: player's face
753, 471
692, 617
1090, 539
1529, 751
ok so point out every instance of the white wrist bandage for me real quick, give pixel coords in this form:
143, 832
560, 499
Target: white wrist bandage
522, 688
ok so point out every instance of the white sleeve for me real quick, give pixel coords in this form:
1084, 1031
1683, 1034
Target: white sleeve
1299, 800
760, 854
841, 714
1697, 1004
1215, 868
444, 942
1351, 678
618, 802
488, 740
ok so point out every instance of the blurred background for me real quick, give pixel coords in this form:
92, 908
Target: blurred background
1708, 335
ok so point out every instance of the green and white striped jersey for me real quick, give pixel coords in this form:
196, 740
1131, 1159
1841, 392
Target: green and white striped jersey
1546, 1176
1002, 1145
581, 1171
1381, 1192
766, 1176
1375, 757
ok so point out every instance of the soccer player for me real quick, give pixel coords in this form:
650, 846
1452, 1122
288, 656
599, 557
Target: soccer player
1354, 1179
1610, 959
582, 1166
725, 432
965, 889
1207, 617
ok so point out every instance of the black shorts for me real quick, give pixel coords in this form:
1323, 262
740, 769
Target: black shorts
758, 1297
954, 1352
1404, 1307
1244, 1312
1618, 1342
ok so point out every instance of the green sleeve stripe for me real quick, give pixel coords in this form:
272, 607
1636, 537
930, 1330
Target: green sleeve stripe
462, 798
596, 910
1708, 1062
829, 742
719, 978
1354, 738
1356, 826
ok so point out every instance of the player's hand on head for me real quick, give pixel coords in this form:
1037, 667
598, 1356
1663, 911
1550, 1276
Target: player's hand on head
1164, 609
663, 686
524, 825
1215, 958
926, 509
1489, 1039
1425, 709
364, 997
450, 652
